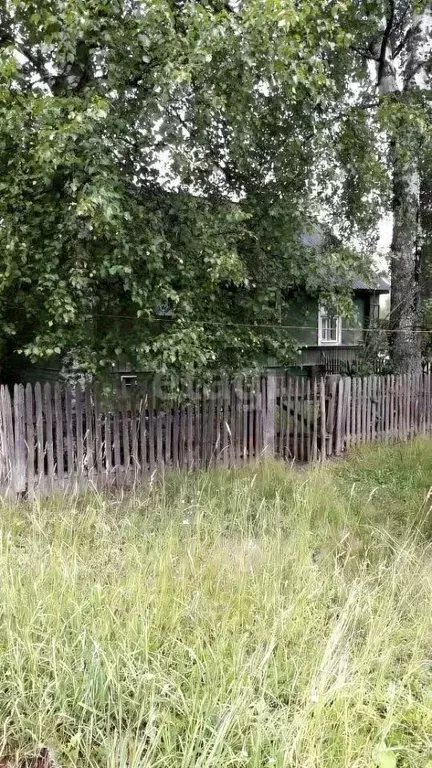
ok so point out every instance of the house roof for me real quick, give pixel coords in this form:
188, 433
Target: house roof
318, 237
376, 285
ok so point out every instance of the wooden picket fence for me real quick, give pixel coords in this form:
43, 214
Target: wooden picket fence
70, 438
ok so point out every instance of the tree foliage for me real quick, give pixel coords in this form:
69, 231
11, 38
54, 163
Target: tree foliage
159, 160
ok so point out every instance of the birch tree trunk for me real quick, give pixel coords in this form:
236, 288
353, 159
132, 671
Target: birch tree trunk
405, 262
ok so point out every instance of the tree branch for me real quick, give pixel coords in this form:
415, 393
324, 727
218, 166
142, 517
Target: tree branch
399, 48
382, 59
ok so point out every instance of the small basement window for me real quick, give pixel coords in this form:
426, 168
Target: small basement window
329, 327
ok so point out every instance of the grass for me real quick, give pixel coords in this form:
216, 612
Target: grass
251, 618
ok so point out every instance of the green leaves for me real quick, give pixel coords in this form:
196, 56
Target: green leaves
158, 169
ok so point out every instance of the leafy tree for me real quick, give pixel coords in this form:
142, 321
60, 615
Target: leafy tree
394, 39
159, 160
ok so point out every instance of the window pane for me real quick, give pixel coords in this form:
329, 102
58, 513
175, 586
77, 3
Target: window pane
329, 328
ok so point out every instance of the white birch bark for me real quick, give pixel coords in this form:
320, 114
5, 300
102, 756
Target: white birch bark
406, 240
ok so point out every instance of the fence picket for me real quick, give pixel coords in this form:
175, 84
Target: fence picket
331, 416
296, 452
89, 430
116, 440
79, 431
308, 419
353, 411
348, 396
125, 432
323, 419
49, 434
69, 432
134, 438
143, 436
59, 432
302, 453
40, 445
30, 440
339, 418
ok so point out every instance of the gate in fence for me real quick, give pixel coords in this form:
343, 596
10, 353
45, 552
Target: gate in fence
66, 437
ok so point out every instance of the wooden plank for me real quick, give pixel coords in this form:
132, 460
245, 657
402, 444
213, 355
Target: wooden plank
407, 390
286, 405
391, 404
190, 420
270, 417
59, 432
196, 426
134, 425
417, 410
182, 434
238, 419
386, 408
125, 434
159, 424
79, 430
304, 437
379, 408
422, 404
107, 446
20, 468
159, 427
151, 431
258, 422
168, 435
40, 444
204, 426
359, 424
402, 407
8, 440
331, 413
30, 440
69, 432
143, 436
373, 389
245, 414
397, 408
315, 395
117, 448
298, 413
354, 427
89, 439
428, 404
368, 404
339, 416
231, 423
251, 418
49, 435
364, 408
323, 419
306, 416
278, 414
176, 434
210, 421
348, 396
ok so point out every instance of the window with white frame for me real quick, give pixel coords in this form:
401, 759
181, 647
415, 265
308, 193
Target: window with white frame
329, 327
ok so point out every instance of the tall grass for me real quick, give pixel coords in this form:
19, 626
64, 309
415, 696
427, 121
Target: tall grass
248, 618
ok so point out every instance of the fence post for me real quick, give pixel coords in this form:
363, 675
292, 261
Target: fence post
269, 414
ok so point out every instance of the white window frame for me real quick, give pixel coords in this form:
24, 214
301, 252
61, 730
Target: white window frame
323, 312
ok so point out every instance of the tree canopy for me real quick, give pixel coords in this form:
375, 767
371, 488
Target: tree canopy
160, 160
